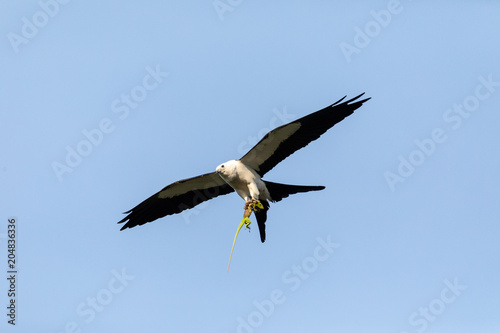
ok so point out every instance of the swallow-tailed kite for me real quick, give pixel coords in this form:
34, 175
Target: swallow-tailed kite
245, 175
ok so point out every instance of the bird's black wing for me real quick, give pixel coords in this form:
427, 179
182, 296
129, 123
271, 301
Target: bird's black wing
283, 141
175, 198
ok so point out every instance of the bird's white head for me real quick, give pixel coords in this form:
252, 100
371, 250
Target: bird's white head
227, 170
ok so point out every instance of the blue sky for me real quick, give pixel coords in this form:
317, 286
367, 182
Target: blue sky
103, 104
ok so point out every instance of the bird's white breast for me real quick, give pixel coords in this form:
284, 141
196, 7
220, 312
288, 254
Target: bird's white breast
244, 180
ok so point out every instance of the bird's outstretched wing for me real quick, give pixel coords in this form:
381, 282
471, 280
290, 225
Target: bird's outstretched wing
283, 141
176, 197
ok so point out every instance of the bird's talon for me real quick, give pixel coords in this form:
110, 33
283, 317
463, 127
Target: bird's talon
255, 205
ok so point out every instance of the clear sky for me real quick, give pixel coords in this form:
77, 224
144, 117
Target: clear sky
105, 103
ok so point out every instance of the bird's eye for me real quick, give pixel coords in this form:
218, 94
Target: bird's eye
222, 166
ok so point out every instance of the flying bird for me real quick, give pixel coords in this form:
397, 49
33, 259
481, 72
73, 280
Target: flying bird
245, 175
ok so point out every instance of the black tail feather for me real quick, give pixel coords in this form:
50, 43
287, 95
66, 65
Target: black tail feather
261, 216
280, 191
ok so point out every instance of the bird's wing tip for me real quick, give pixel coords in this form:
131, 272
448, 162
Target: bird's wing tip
352, 99
123, 219
355, 98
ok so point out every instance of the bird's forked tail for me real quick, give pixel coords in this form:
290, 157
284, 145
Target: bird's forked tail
278, 192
